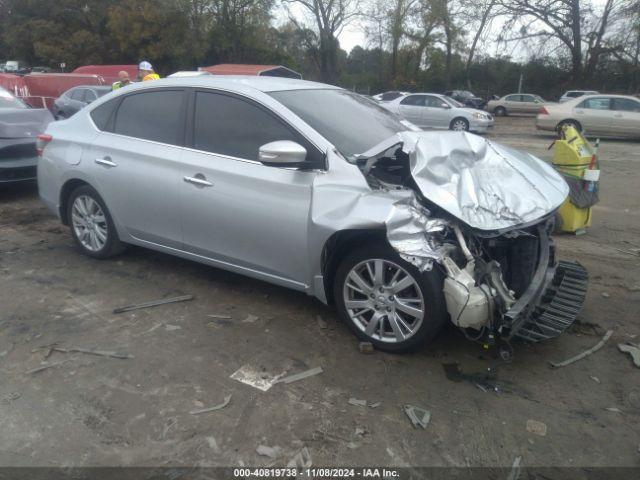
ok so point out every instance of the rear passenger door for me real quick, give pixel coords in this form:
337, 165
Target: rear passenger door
135, 161
529, 104
626, 117
594, 114
236, 211
412, 108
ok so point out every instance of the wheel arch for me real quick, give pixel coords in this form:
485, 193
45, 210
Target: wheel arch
338, 245
65, 192
459, 117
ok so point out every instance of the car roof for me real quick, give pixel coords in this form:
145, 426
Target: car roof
263, 84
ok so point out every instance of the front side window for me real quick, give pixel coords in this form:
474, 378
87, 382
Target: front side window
155, 115
229, 125
528, 98
352, 123
434, 102
78, 94
626, 105
596, 104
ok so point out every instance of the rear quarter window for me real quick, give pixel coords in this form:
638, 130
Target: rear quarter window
103, 114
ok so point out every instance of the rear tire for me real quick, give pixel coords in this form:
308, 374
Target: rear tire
500, 112
91, 225
401, 311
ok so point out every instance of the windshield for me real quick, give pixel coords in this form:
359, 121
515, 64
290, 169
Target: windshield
351, 122
452, 102
9, 101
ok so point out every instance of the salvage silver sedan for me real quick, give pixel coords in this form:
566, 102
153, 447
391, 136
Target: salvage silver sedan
320, 190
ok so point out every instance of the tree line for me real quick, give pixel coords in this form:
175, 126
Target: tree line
432, 45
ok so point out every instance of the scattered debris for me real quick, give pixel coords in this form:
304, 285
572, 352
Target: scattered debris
302, 459
226, 401
220, 321
257, 379
171, 328
586, 353
366, 347
10, 397
154, 303
271, 452
606, 295
99, 353
300, 376
44, 367
539, 428
251, 319
221, 317
360, 432
213, 444
419, 416
595, 379
613, 409
356, 402
321, 323
8, 350
514, 474
632, 350
482, 381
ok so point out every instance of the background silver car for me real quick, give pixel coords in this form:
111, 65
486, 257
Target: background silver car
431, 110
303, 185
609, 115
521, 103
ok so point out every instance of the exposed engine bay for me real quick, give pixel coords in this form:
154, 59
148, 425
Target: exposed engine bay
498, 282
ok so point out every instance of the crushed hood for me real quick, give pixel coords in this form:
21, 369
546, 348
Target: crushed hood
484, 184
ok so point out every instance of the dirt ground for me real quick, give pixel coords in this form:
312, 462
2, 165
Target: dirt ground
102, 411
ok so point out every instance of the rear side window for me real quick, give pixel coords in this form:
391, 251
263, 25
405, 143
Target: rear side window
232, 126
414, 101
102, 114
513, 98
574, 94
626, 105
155, 115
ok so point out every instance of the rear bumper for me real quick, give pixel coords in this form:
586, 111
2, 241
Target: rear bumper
553, 300
18, 160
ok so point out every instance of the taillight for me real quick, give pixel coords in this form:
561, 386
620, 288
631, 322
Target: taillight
42, 141
543, 111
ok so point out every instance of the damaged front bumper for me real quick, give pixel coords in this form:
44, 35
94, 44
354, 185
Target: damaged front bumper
552, 301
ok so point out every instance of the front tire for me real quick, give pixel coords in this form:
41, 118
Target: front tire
387, 301
459, 125
500, 112
91, 225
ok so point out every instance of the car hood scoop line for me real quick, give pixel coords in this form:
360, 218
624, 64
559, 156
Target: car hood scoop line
484, 184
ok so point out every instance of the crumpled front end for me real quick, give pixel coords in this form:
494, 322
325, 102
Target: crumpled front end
483, 214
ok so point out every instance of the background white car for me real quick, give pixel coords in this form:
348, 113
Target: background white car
571, 94
431, 110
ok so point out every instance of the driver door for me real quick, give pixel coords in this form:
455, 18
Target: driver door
241, 214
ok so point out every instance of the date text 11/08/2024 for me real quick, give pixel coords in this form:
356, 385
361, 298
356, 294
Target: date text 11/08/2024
315, 473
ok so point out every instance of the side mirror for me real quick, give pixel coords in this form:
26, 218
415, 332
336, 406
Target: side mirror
282, 153
445, 105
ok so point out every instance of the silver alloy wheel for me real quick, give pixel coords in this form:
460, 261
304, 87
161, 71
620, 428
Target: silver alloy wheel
459, 125
89, 223
383, 300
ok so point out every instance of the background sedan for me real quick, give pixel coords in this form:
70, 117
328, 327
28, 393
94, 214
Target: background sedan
430, 110
19, 127
516, 103
612, 115
75, 98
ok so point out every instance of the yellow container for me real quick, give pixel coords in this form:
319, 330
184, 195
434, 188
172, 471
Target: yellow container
572, 155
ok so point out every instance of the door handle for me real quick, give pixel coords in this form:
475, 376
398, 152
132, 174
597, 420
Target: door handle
106, 162
198, 180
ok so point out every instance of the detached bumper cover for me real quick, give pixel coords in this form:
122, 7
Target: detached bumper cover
552, 302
